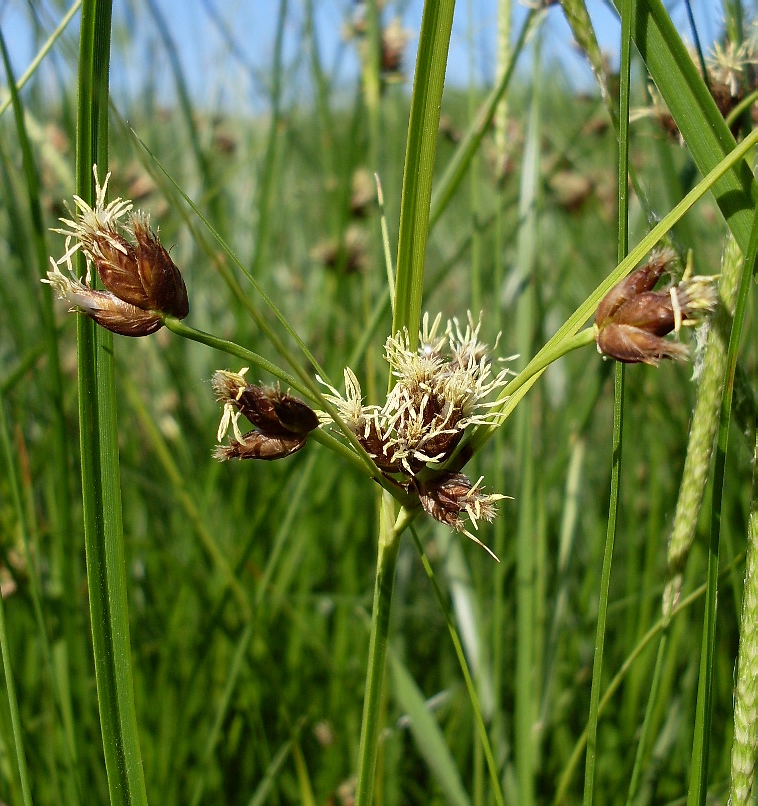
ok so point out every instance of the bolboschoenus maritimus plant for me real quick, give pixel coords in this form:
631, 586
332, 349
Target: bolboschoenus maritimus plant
444, 389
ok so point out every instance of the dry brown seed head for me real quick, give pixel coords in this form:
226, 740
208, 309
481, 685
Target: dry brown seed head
108, 310
293, 414
652, 311
632, 318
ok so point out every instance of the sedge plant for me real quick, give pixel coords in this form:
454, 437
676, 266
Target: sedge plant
447, 394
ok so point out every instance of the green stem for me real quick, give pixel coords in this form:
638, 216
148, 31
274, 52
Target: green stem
98, 430
647, 722
744, 104
605, 582
627, 13
229, 347
389, 544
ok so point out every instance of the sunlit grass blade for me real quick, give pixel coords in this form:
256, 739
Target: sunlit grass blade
101, 486
418, 169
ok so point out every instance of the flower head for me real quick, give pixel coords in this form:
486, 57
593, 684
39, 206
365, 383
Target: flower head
729, 79
728, 64
632, 319
442, 386
449, 496
141, 280
108, 310
282, 422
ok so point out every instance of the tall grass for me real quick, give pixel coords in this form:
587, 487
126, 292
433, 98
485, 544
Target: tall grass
179, 630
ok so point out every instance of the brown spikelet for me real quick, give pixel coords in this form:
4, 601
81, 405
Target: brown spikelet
632, 318
257, 445
142, 282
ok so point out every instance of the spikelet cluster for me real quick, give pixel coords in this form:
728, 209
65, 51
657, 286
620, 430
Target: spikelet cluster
442, 387
632, 319
282, 422
730, 78
141, 281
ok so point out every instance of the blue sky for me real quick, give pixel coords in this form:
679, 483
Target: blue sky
231, 71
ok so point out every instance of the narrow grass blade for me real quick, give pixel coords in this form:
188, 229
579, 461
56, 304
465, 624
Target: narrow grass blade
59, 452
561, 791
389, 545
43, 51
481, 728
418, 170
10, 686
605, 581
526, 696
618, 395
472, 140
264, 788
187, 499
101, 486
221, 709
